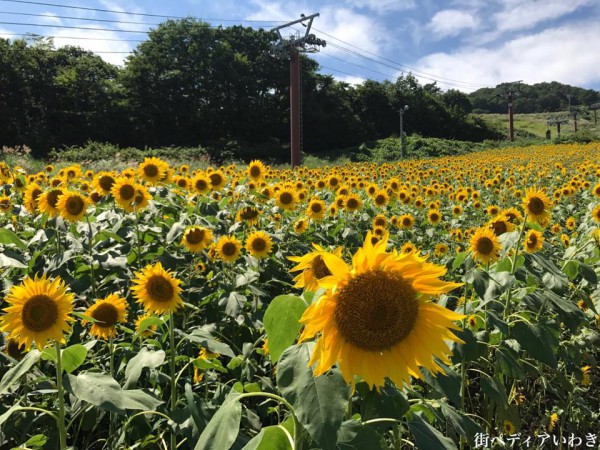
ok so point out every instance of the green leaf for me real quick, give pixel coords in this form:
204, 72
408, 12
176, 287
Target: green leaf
269, 438
319, 402
7, 261
538, 341
9, 237
588, 273
427, 437
73, 357
13, 375
39, 440
448, 385
209, 343
571, 269
459, 259
103, 391
6, 415
145, 358
281, 323
494, 390
479, 279
509, 365
223, 428
462, 424
354, 436
471, 350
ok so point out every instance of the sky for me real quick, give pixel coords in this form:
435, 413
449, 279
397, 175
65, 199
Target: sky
459, 44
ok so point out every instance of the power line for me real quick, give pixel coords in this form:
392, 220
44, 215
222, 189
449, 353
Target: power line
345, 73
35, 35
434, 77
72, 27
352, 64
77, 18
129, 13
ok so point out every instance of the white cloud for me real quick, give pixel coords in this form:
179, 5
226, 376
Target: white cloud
350, 79
451, 22
128, 17
523, 14
553, 54
68, 37
383, 6
50, 18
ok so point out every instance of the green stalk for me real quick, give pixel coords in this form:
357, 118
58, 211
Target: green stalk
137, 233
111, 418
90, 249
62, 432
513, 268
173, 381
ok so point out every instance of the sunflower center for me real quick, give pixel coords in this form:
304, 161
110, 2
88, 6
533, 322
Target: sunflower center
15, 350
201, 185
151, 170
52, 197
75, 205
255, 171
406, 222
532, 241
380, 199
485, 246
127, 192
39, 313
499, 227
249, 214
106, 314
535, 205
106, 182
259, 244
229, 249
316, 207
376, 310
352, 203
319, 268
181, 183
215, 179
160, 289
286, 198
195, 236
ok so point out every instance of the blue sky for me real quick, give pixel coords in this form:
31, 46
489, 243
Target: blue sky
461, 44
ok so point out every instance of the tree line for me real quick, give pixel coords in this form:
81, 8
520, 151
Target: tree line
190, 84
533, 98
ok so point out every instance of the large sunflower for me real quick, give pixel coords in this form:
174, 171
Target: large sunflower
537, 205
31, 197
49, 202
313, 267
256, 170
533, 241
103, 182
376, 319
228, 248
485, 245
157, 290
39, 311
196, 238
107, 313
72, 206
259, 244
286, 199
152, 169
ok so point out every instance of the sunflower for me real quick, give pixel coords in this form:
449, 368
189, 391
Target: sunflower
571, 223
14, 349
124, 193
485, 245
376, 319
200, 183
217, 180
31, 197
152, 169
157, 290
380, 221
107, 312
408, 247
103, 182
39, 311
316, 209
406, 221
508, 427
552, 422
49, 202
256, 170
72, 206
148, 331
248, 214
196, 238
500, 225
596, 190
351, 202
5, 203
286, 199
596, 213
441, 249
301, 225
565, 239
142, 197
312, 266
259, 244
537, 206
434, 216
228, 248
381, 198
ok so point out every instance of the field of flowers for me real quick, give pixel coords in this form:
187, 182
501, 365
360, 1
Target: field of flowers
432, 304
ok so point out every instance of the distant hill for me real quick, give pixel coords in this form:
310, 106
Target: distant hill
536, 98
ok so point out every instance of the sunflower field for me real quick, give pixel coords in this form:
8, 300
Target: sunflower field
448, 303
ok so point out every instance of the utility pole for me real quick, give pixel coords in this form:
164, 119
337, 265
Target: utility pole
291, 47
594, 107
401, 113
509, 95
557, 121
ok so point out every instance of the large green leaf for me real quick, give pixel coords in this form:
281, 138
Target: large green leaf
281, 323
9, 237
462, 424
446, 383
208, 343
145, 358
223, 428
427, 437
538, 341
13, 375
269, 438
319, 402
355, 436
73, 357
103, 391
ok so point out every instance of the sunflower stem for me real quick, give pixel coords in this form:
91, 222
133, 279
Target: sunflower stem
62, 432
111, 362
513, 267
172, 367
90, 249
138, 240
